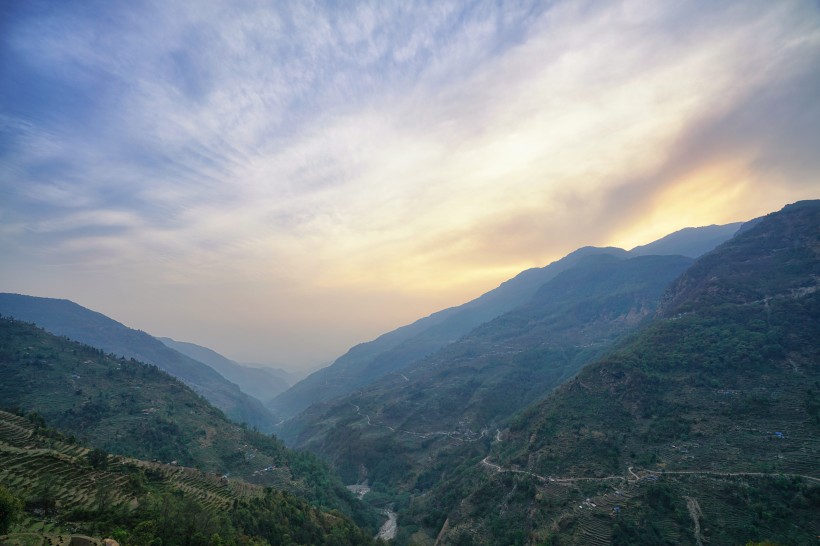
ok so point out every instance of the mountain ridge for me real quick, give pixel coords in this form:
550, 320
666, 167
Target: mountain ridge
394, 350
66, 318
463, 387
702, 427
261, 383
134, 409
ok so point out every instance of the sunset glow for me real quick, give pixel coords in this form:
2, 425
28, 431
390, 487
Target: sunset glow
280, 181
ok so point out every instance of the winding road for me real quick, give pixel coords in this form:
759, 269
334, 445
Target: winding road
646, 474
692, 505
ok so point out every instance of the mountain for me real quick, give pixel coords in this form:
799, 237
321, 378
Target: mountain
66, 318
132, 409
393, 351
690, 242
66, 492
261, 383
702, 428
461, 393
291, 377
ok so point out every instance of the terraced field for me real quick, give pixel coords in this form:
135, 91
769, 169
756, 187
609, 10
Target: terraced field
685, 507
56, 476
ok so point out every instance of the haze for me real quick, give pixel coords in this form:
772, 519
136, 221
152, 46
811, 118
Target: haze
281, 180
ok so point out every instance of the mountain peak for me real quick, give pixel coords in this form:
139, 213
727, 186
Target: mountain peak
691, 242
768, 259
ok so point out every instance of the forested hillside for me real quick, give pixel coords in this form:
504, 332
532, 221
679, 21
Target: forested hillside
389, 432
704, 428
394, 351
66, 318
57, 492
132, 409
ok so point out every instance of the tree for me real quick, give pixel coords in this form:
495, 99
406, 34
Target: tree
98, 459
10, 508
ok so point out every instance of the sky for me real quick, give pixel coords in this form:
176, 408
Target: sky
279, 181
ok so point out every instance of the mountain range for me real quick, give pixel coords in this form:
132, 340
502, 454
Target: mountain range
462, 391
669, 394
262, 383
449, 430
527, 336
131, 409
66, 318
398, 349
702, 428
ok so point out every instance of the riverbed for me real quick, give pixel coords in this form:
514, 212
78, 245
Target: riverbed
388, 530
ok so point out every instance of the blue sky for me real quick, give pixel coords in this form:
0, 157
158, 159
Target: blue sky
282, 180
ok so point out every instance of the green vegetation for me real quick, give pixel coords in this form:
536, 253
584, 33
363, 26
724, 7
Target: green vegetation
449, 406
71, 490
66, 318
127, 408
697, 421
701, 428
10, 508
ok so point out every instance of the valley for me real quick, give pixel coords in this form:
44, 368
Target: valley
380, 273
399, 418
74, 395
612, 397
688, 411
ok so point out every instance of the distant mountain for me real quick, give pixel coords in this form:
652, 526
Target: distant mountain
690, 242
261, 383
291, 377
136, 410
464, 391
66, 318
704, 428
391, 352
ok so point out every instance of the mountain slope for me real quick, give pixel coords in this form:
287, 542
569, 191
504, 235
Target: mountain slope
71, 492
462, 393
689, 242
133, 409
261, 383
705, 427
396, 350
66, 318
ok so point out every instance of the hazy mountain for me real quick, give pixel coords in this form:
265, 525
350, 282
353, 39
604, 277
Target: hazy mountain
261, 383
291, 377
367, 362
66, 318
133, 409
704, 428
463, 391
691, 242
391, 352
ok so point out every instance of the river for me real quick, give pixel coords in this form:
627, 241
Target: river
388, 530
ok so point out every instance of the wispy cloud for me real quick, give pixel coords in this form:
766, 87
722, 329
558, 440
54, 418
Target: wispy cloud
291, 150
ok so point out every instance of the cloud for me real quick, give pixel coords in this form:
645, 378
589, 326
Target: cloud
426, 151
